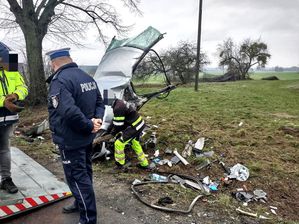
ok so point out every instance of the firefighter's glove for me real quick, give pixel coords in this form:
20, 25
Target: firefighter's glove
12, 97
8, 104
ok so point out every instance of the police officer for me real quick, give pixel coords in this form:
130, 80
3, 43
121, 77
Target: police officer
127, 125
75, 110
12, 89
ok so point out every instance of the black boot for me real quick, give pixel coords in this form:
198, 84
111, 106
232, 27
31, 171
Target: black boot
9, 186
71, 208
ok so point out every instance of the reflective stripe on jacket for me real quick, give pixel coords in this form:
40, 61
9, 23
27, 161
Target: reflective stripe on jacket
127, 120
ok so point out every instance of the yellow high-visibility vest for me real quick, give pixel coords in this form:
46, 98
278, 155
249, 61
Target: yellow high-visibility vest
12, 82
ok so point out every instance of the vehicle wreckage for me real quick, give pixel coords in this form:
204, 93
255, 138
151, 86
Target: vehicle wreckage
114, 78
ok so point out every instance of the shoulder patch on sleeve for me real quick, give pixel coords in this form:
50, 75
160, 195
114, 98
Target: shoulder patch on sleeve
55, 101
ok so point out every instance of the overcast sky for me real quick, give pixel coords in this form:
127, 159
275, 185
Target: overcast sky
274, 21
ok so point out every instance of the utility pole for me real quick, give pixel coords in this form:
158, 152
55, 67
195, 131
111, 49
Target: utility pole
197, 65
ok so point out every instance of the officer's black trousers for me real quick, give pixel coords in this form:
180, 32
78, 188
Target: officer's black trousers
78, 172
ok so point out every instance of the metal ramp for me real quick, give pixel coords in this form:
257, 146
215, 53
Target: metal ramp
37, 186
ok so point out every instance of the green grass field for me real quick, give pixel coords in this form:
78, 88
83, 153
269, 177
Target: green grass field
159, 78
280, 75
216, 111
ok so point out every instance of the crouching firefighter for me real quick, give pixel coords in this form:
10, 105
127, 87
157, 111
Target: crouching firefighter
12, 90
127, 126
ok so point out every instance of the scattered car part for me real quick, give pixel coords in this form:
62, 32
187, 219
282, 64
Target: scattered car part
175, 160
239, 172
243, 196
188, 149
184, 161
157, 177
160, 207
136, 181
204, 154
38, 129
260, 194
251, 214
226, 170
168, 151
199, 144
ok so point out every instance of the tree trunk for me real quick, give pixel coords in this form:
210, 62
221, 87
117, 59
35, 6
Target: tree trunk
38, 89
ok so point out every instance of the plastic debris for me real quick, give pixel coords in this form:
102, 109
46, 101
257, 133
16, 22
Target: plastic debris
243, 196
206, 163
199, 143
168, 151
175, 160
188, 149
136, 181
206, 180
241, 124
165, 161
239, 172
213, 186
156, 153
273, 211
226, 170
157, 177
157, 160
40, 138
152, 141
251, 214
184, 161
194, 185
152, 166
204, 154
260, 194
177, 179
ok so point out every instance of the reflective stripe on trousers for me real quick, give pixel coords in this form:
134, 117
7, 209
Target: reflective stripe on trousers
140, 154
119, 152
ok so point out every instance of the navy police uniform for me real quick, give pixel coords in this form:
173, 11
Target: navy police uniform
73, 100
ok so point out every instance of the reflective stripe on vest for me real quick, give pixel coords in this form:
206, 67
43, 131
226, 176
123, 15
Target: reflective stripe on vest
137, 121
9, 118
118, 123
140, 125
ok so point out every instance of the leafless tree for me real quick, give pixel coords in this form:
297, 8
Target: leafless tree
64, 20
239, 59
179, 62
